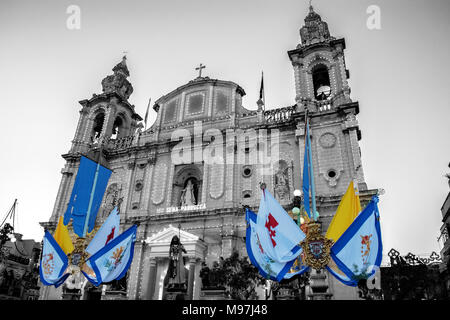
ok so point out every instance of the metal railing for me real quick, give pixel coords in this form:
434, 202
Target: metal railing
278, 115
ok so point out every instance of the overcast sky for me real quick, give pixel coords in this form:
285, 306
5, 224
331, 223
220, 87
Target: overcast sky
399, 75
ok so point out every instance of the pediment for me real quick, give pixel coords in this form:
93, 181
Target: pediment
165, 236
159, 243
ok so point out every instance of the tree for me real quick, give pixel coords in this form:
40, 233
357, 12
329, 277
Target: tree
236, 274
5, 232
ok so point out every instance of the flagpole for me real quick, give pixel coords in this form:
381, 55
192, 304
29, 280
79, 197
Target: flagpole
91, 198
146, 114
264, 91
311, 169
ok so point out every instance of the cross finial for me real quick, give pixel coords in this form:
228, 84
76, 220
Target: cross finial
199, 68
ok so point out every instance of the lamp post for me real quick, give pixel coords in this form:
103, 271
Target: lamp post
294, 288
297, 206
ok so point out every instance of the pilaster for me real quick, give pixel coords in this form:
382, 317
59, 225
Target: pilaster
134, 277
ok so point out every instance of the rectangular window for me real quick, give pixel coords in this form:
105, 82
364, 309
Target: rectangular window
221, 103
170, 111
195, 103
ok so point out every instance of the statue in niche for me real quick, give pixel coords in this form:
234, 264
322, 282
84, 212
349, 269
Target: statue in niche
282, 183
110, 201
176, 274
188, 194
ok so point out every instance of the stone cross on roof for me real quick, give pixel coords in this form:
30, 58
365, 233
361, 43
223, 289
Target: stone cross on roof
200, 67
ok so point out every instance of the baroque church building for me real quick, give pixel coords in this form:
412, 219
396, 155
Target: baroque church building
170, 186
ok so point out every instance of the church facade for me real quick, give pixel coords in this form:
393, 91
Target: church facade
192, 172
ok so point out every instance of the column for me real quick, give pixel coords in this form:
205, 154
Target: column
108, 122
59, 204
205, 182
192, 262
210, 101
180, 109
133, 278
151, 280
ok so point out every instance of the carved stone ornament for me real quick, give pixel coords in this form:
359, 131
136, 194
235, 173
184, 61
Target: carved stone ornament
151, 160
316, 247
118, 82
327, 140
315, 30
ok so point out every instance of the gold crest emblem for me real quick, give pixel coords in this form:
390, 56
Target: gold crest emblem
79, 256
316, 247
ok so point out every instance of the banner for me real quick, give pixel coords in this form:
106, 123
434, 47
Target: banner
53, 263
87, 194
107, 232
112, 261
278, 234
358, 252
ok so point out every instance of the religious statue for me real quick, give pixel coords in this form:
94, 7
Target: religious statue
177, 272
138, 131
187, 195
281, 184
110, 201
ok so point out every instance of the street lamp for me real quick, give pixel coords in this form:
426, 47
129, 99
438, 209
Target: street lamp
297, 206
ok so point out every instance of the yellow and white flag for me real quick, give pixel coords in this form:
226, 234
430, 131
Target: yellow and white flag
62, 237
347, 211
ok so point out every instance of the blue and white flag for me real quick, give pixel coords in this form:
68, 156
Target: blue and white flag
358, 252
89, 273
298, 267
267, 267
53, 263
279, 235
87, 194
107, 232
338, 274
112, 261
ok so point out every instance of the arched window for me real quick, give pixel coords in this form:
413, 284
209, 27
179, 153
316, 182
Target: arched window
321, 82
118, 130
97, 127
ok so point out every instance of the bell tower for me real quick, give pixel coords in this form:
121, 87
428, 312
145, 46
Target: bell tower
107, 121
319, 67
107, 117
322, 90
322, 95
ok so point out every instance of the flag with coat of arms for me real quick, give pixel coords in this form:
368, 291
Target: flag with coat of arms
53, 263
358, 251
113, 260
